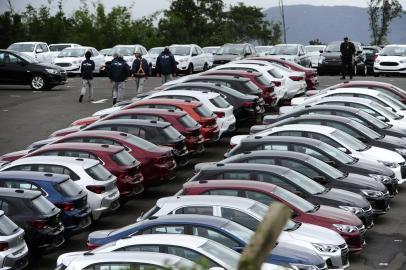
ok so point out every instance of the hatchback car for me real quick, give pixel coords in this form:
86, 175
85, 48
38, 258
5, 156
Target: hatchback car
38, 217
100, 184
231, 52
314, 51
13, 249
292, 52
58, 189
371, 53
391, 60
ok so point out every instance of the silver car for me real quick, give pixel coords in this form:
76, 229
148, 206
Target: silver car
13, 249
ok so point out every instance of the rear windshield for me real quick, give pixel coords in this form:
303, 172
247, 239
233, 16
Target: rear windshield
253, 89
7, 227
275, 73
188, 121
263, 80
70, 188
171, 132
141, 143
124, 158
219, 102
203, 111
98, 172
42, 205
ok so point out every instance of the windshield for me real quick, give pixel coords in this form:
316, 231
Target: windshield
98, 172
70, 188
123, 51
171, 132
314, 48
58, 48
222, 253
284, 50
22, 47
293, 199
348, 140
220, 102
238, 230
394, 51
365, 130
156, 50
373, 120
324, 167
234, 49
210, 49
106, 52
42, 205
262, 49
385, 111
72, 52
27, 58
333, 47
334, 152
304, 182
180, 50
141, 143
124, 158
369, 51
392, 102
203, 111
7, 227
188, 121
253, 89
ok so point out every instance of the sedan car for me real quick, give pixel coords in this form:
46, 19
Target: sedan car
314, 51
233, 51
70, 59
391, 60
292, 52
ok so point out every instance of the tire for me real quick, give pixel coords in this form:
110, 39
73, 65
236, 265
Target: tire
365, 73
189, 69
38, 82
150, 70
205, 67
355, 70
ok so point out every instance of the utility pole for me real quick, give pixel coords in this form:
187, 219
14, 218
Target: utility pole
281, 7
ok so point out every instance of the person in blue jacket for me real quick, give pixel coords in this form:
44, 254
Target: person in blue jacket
119, 72
86, 72
140, 71
166, 65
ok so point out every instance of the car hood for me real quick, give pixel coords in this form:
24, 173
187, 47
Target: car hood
373, 166
316, 234
284, 253
68, 59
284, 57
336, 216
398, 142
363, 182
235, 140
229, 57
391, 58
199, 166
67, 258
332, 55
107, 111
378, 153
343, 197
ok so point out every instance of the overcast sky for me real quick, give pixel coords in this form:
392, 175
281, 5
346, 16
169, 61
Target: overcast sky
147, 7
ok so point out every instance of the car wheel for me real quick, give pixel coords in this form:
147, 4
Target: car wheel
150, 69
205, 67
365, 73
355, 70
189, 70
38, 82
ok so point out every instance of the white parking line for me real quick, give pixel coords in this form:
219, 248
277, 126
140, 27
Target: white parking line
100, 101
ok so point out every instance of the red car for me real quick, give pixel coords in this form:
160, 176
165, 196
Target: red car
266, 193
312, 80
267, 87
114, 158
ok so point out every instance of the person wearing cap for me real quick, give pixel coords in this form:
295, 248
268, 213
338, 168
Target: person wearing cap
119, 71
166, 65
86, 72
347, 50
140, 71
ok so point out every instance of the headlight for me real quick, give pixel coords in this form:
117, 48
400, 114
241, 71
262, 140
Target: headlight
52, 71
76, 62
381, 178
297, 266
372, 193
326, 248
183, 60
377, 61
401, 151
321, 59
345, 228
389, 164
402, 61
354, 210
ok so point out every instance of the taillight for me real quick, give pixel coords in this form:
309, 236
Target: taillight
296, 78
96, 189
220, 114
65, 206
268, 89
38, 224
248, 104
91, 246
3, 246
277, 83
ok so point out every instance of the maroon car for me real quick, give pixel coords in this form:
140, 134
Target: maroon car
114, 158
266, 193
311, 74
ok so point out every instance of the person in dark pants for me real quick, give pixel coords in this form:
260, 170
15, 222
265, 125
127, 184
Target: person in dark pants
347, 50
140, 71
166, 65
86, 72
119, 72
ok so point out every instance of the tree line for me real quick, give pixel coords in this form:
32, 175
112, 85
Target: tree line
204, 22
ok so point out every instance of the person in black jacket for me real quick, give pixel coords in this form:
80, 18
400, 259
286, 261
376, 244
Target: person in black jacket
86, 72
347, 50
166, 65
119, 72
140, 71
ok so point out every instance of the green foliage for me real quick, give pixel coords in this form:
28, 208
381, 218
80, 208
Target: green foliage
315, 41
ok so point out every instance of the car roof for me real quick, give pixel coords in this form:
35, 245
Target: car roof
222, 77
372, 83
31, 175
20, 193
150, 111
326, 107
164, 239
56, 160
183, 45
233, 72
335, 118
273, 153
138, 122
166, 101
289, 139
98, 133
259, 67
82, 146
187, 219
198, 94
237, 184
305, 127
369, 92
348, 99
28, 42
245, 166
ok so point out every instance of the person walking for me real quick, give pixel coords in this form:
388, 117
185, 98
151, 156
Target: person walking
166, 65
86, 72
347, 50
140, 71
118, 73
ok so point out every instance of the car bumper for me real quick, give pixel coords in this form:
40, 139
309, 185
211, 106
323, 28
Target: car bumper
380, 206
57, 79
108, 203
400, 68
195, 145
47, 239
16, 259
211, 133
367, 218
356, 241
336, 260
76, 221
329, 67
130, 185
226, 123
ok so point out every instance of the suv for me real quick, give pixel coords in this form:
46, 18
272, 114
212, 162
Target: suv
230, 52
37, 50
58, 189
127, 52
189, 58
37, 216
291, 52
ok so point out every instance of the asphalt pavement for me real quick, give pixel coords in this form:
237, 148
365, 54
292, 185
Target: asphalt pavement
27, 116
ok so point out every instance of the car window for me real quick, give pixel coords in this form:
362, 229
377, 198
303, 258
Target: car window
123, 266
58, 170
239, 217
4, 206
366, 109
99, 173
191, 255
281, 147
8, 58
194, 51
7, 227
19, 185
299, 167
323, 138
310, 151
223, 192
259, 197
196, 210
123, 158
288, 133
166, 107
388, 92
94, 53
44, 47
24, 168
143, 248
142, 116
276, 180
215, 236
345, 128
176, 229
78, 154
268, 161
237, 175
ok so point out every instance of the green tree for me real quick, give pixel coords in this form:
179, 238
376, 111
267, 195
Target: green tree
315, 41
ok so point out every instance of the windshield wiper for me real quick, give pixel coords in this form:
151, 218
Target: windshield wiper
354, 160
323, 191
345, 175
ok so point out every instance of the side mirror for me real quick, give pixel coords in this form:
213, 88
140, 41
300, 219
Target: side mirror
246, 54
320, 179
362, 139
194, 54
382, 118
342, 149
38, 50
331, 163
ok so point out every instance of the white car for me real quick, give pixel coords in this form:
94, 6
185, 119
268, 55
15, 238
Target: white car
153, 54
190, 58
105, 52
100, 184
314, 52
55, 49
37, 50
291, 52
14, 253
249, 213
213, 101
263, 50
70, 59
123, 260
210, 52
127, 52
391, 60
193, 248
338, 139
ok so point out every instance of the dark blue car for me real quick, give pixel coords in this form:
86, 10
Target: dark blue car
217, 229
58, 189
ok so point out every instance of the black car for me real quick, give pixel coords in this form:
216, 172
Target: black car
344, 111
230, 52
320, 172
330, 60
20, 69
286, 178
322, 151
39, 218
247, 108
161, 133
371, 52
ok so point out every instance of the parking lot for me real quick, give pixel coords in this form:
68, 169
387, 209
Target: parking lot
27, 116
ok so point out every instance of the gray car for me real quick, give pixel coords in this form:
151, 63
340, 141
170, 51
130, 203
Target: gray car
231, 52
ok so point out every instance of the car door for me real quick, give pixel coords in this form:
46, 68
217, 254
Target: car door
47, 53
280, 182
239, 217
13, 69
216, 236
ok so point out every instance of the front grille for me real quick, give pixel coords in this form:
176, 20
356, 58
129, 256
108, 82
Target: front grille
381, 205
389, 64
368, 218
322, 266
63, 64
344, 253
180, 145
362, 232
